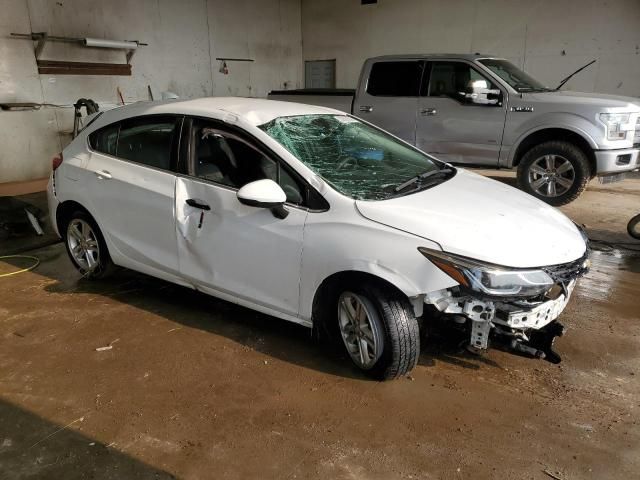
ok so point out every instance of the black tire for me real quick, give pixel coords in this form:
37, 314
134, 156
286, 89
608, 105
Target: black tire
399, 331
633, 227
560, 148
105, 265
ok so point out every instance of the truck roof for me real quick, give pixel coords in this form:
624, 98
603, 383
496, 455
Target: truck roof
464, 56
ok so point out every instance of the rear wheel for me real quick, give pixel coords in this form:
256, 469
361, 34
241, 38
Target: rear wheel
379, 331
556, 172
86, 246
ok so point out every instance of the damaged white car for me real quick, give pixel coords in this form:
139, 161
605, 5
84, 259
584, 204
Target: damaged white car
316, 217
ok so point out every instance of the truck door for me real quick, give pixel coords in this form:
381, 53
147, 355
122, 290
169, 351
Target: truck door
461, 114
388, 96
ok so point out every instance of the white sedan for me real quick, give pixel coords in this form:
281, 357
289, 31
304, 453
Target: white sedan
314, 216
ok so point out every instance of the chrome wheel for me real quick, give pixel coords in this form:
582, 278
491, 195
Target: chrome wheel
83, 244
551, 175
360, 329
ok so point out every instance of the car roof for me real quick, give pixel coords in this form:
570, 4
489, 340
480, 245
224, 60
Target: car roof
254, 111
464, 56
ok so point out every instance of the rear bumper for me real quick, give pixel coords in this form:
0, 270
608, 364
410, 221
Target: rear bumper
53, 203
617, 161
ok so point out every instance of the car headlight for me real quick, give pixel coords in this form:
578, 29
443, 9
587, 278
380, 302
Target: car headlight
488, 279
617, 125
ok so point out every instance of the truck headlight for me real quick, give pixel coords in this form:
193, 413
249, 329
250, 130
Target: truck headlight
617, 125
490, 279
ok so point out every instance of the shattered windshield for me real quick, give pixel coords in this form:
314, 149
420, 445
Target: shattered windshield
519, 80
358, 160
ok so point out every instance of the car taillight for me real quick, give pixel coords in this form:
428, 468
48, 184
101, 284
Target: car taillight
56, 161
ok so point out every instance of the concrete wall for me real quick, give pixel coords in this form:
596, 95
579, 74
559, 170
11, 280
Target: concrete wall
548, 38
184, 39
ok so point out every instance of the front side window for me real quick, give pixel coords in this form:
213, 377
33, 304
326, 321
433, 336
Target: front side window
395, 79
461, 82
519, 80
358, 160
148, 140
223, 158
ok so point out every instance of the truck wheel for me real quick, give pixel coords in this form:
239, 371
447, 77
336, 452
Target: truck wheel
86, 246
379, 331
556, 172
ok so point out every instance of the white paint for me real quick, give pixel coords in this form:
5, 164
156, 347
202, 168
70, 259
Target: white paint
475, 210
184, 39
531, 33
246, 255
262, 191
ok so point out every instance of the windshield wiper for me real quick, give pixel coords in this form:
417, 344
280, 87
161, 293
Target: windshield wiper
566, 79
445, 170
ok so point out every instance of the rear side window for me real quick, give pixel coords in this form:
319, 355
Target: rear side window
148, 140
105, 140
395, 79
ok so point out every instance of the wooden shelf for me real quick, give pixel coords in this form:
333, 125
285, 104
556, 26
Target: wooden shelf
55, 67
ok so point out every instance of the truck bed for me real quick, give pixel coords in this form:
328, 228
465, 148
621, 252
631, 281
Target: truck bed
337, 98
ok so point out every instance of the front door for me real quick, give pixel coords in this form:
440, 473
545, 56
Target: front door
461, 114
390, 97
229, 249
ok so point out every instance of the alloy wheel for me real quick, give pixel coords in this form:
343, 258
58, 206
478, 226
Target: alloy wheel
83, 244
359, 328
551, 175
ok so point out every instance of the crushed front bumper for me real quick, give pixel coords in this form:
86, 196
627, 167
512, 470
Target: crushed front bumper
522, 326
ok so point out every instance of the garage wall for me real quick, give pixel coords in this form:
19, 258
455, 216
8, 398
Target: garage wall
549, 38
184, 39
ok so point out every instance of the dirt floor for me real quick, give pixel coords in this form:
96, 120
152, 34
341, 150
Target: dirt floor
193, 387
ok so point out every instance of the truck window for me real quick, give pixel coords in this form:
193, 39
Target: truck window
461, 82
395, 79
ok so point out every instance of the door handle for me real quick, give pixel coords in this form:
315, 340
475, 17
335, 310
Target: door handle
103, 174
196, 204
428, 112
366, 108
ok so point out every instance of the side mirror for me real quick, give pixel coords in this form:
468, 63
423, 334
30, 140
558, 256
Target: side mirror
264, 194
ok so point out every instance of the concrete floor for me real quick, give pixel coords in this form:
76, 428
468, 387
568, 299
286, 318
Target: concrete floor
194, 387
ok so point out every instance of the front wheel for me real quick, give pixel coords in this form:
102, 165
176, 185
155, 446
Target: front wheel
379, 331
556, 172
634, 227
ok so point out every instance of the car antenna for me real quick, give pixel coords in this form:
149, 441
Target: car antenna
566, 79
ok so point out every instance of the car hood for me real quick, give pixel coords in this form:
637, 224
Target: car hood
484, 219
599, 100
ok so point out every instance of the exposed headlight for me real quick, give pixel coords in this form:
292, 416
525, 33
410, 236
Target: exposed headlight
490, 279
617, 125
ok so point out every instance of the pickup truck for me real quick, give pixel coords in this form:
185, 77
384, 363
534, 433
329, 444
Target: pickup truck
484, 111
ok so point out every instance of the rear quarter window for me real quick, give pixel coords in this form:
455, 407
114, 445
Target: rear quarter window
395, 79
105, 140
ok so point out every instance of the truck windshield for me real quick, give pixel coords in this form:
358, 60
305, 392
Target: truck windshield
356, 159
519, 80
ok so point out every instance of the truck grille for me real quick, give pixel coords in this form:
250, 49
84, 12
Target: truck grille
636, 137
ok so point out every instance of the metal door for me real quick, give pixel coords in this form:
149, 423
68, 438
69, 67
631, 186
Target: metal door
461, 114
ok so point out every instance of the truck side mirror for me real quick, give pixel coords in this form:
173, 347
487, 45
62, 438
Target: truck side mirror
485, 96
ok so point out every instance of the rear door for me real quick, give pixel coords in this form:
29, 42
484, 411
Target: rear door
132, 167
227, 248
389, 96
461, 114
